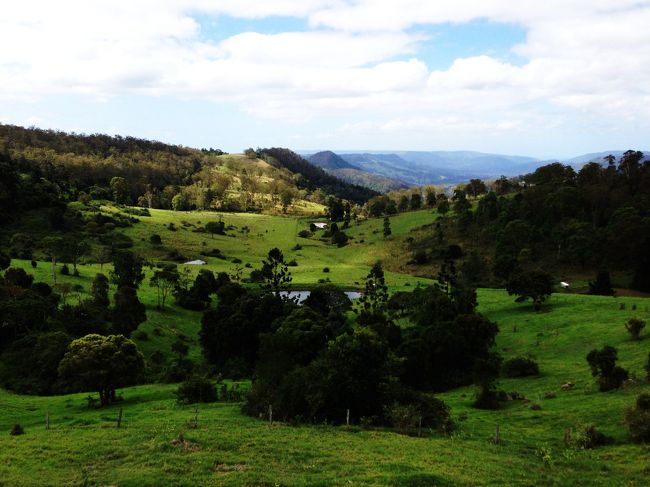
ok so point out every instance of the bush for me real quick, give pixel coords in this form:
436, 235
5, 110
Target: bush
520, 367
613, 380
17, 430
257, 276
412, 409
638, 419
196, 389
340, 239
155, 239
326, 269
292, 263
588, 437
603, 365
304, 234
65, 270
634, 326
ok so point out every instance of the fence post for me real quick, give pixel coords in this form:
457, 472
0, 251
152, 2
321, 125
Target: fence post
270, 414
119, 419
347, 417
420, 427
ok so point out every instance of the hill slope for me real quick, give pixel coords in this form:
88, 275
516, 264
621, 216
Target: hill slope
339, 167
83, 446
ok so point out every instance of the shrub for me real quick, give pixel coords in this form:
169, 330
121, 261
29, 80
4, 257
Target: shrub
17, 430
588, 437
292, 263
65, 270
326, 269
603, 365
257, 276
520, 367
413, 408
638, 419
340, 239
304, 234
634, 327
196, 389
602, 285
155, 239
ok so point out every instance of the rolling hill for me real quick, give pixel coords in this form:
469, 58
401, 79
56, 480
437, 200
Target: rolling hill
339, 167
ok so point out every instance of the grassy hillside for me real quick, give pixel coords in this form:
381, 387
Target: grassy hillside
84, 447
348, 266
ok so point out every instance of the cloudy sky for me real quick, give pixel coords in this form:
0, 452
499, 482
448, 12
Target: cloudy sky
551, 78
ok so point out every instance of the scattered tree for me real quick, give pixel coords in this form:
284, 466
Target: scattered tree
603, 365
602, 285
534, 284
164, 280
387, 230
215, 227
276, 272
103, 364
634, 326
127, 269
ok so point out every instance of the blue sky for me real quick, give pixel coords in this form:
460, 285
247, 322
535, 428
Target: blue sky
551, 79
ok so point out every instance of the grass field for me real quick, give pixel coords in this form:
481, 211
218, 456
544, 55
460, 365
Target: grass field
84, 447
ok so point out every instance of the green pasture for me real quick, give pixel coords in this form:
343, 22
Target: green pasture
84, 447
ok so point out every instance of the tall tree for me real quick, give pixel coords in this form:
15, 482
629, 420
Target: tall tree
276, 272
127, 269
164, 280
102, 363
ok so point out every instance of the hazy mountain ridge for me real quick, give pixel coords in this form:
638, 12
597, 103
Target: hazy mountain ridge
342, 169
416, 168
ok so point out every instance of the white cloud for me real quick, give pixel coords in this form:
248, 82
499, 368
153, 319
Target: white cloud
589, 57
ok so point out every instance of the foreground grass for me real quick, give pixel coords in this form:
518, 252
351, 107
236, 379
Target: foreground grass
84, 447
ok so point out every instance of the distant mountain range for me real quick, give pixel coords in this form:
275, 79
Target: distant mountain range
385, 171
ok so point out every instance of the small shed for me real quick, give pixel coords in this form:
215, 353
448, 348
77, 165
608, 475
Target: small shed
320, 225
196, 262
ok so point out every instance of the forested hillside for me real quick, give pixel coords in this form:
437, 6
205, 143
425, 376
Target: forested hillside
156, 175
571, 223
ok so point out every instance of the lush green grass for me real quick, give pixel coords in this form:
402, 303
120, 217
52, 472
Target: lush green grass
231, 449
83, 447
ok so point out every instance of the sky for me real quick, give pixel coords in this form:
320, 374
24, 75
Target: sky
548, 79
